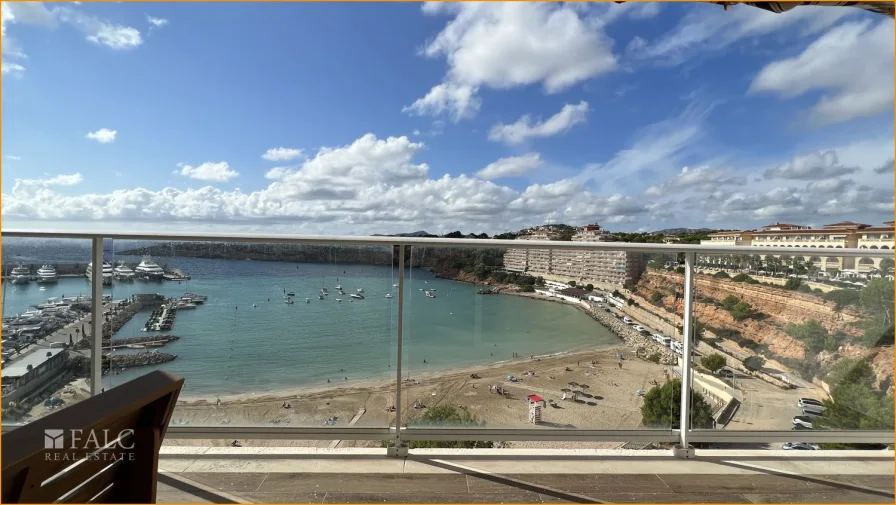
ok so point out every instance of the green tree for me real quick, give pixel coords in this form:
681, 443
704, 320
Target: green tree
813, 334
842, 297
721, 275
527, 288
741, 311
877, 300
444, 416
729, 302
851, 371
793, 284
572, 283
713, 362
454, 234
754, 363
656, 297
662, 408
539, 281
617, 294
589, 287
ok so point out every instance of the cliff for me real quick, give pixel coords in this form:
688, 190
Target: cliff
775, 308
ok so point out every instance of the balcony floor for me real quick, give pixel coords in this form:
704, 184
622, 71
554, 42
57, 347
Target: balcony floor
269, 475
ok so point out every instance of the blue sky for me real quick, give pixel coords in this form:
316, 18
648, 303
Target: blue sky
380, 118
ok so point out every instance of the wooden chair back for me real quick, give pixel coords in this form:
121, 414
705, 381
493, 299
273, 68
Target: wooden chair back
101, 450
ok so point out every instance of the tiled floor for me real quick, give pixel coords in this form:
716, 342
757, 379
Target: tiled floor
464, 484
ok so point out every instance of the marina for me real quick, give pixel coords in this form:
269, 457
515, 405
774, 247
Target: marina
227, 346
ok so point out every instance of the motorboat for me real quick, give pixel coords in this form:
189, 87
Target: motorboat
122, 272
323, 291
20, 274
360, 290
288, 301
395, 285
357, 296
339, 287
197, 299
320, 296
149, 270
339, 299
290, 294
389, 295
307, 300
107, 273
47, 275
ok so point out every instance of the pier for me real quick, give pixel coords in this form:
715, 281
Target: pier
162, 319
121, 316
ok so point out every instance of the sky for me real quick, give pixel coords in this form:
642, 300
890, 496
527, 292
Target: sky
385, 118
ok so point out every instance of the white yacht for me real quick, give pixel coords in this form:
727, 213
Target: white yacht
107, 273
149, 270
389, 295
123, 273
20, 274
47, 275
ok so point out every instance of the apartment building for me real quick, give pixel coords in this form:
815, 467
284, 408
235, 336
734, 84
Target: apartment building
603, 267
846, 234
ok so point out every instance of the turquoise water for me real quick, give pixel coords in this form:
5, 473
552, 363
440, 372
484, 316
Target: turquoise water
227, 346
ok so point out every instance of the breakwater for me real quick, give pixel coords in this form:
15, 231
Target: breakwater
162, 318
164, 339
123, 361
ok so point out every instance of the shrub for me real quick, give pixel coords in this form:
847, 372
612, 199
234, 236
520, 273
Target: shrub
842, 297
656, 297
754, 363
572, 283
741, 311
793, 284
654, 358
744, 278
589, 287
713, 362
721, 275
679, 270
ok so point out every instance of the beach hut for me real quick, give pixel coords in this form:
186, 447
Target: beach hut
535, 399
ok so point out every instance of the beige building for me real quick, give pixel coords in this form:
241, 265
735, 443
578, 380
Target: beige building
602, 267
842, 235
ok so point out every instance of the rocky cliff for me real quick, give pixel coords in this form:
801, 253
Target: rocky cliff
776, 308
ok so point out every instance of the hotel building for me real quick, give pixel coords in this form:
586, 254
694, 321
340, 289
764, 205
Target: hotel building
601, 267
831, 236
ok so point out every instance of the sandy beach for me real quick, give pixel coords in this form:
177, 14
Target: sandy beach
615, 400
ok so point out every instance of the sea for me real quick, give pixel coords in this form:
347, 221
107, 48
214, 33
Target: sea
246, 339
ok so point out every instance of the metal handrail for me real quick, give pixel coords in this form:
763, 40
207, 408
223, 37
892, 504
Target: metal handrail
386, 241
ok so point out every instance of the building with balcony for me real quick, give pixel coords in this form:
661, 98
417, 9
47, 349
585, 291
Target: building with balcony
594, 267
846, 234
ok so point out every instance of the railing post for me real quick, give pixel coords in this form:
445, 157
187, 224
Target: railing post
397, 448
683, 450
96, 317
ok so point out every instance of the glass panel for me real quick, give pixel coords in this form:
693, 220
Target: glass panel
46, 314
499, 338
262, 333
806, 340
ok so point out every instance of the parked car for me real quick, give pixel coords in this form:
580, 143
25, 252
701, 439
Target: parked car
638, 328
627, 320
799, 427
813, 412
810, 402
799, 446
726, 373
804, 421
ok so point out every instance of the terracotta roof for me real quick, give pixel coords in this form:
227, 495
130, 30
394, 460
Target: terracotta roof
884, 8
848, 223
784, 232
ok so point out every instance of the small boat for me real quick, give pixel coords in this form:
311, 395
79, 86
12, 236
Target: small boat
307, 300
288, 301
339, 299
357, 296
395, 285
339, 287
360, 290
135, 346
185, 305
389, 295
290, 294
320, 296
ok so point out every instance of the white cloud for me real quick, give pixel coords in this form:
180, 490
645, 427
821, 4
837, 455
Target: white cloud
709, 27
513, 166
13, 69
701, 178
156, 22
512, 44
459, 101
103, 135
13, 158
523, 129
278, 173
42, 186
281, 154
811, 167
853, 62
101, 32
209, 171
